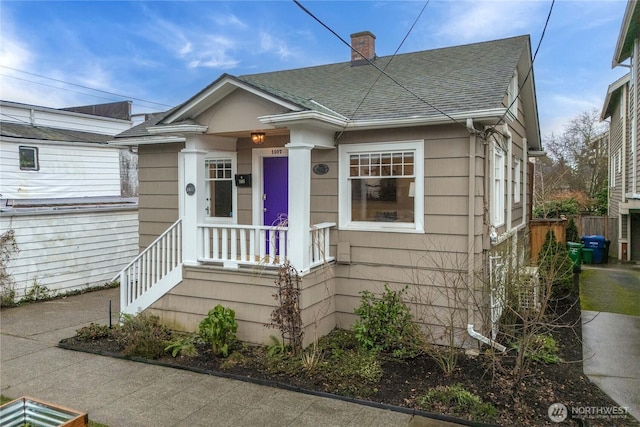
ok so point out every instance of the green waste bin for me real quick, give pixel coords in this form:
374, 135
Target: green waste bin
575, 253
587, 255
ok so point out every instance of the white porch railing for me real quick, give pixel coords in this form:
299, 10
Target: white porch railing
235, 245
153, 272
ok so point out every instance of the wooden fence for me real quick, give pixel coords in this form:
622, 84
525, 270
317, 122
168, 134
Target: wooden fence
587, 226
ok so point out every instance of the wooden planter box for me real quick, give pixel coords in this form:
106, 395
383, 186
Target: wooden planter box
36, 413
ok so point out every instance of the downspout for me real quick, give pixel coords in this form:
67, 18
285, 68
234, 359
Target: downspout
623, 110
471, 241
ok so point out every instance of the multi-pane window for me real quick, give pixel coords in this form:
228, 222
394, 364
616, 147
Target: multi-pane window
219, 187
28, 158
381, 186
498, 186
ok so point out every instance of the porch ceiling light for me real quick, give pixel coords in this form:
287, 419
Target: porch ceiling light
257, 137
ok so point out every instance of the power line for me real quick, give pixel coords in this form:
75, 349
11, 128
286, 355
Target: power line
544, 30
375, 66
85, 87
385, 67
57, 87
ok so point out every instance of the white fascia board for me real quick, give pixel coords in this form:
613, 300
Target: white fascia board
28, 141
186, 128
613, 87
331, 122
306, 117
216, 93
622, 36
147, 140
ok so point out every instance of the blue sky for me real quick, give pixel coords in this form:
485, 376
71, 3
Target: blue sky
166, 51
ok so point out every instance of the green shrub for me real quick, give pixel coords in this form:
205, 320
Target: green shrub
92, 332
572, 232
459, 401
219, 329
541, 348
184, 345
386, 324
554, 266
142, 336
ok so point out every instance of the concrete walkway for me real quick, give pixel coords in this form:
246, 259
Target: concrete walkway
611, 344
124, 393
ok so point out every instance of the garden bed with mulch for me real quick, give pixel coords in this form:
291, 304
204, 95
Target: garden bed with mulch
406, 383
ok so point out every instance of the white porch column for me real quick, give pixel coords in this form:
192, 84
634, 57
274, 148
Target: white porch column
299, 240
194, 204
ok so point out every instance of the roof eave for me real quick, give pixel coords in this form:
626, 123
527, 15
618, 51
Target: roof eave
147, 140
613, 88
620, 54
336, 123
215, 92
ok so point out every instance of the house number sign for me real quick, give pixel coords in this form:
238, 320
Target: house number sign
191, 189
320, 169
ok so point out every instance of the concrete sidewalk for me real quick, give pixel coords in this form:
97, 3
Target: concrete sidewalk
611, 342
124, 393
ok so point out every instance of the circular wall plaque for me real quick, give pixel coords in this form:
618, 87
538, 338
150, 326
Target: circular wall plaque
191, 189
320, 169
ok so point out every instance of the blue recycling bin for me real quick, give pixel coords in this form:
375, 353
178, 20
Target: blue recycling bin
598, 244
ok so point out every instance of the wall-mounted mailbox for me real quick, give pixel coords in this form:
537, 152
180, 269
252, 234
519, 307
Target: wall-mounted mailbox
243, 180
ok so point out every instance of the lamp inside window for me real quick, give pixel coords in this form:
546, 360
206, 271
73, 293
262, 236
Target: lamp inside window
257, 137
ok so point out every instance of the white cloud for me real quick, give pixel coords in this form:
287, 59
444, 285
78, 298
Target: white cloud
229, 20
467, 21
270, 44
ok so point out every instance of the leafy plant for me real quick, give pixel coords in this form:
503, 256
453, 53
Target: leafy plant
459, 401
92, 332
183, 345
276, 348
541, 348
37, 292
219, 329
386, 324
142, 335
311, 357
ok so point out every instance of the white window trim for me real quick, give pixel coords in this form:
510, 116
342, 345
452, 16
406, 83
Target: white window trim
497, 202
517, 181
344, 189
512, 96
220, 155
36, 158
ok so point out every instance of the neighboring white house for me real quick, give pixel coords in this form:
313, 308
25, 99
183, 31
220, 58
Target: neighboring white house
67, 194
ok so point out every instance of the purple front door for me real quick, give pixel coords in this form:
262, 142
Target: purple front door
276, 195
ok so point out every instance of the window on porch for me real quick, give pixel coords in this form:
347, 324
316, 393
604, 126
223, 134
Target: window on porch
219, 188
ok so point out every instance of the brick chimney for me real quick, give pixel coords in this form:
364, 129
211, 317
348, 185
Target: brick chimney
365, 43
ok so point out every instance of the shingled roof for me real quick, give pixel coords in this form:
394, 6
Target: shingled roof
452, 80
27, 131
455, 79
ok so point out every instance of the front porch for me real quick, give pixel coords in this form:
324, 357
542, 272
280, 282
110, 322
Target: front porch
159, 268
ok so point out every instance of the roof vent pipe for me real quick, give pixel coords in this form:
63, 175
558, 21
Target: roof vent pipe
363, 47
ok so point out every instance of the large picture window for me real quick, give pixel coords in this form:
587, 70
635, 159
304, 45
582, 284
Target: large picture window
381, 186
219, 187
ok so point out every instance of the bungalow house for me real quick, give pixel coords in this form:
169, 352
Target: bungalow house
622, 107
379, 170
66, 195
